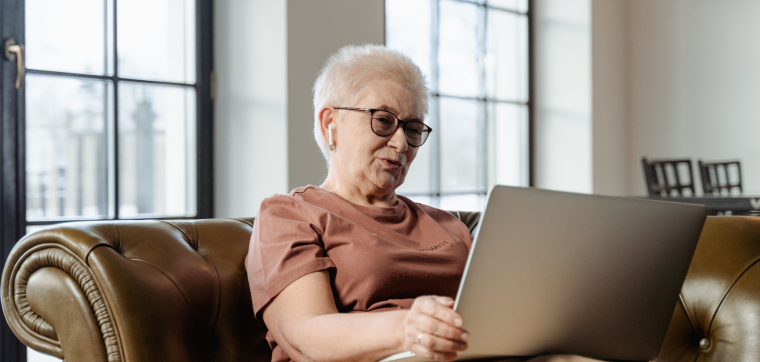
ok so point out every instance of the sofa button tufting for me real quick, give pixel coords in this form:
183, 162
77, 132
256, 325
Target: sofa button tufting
704, 343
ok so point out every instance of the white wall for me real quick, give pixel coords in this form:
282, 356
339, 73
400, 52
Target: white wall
562, 97
250, 121
266, 55
695, 83
668, 78
317, 29
609, 62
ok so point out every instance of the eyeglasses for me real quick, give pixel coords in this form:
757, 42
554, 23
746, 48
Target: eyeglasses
384, 123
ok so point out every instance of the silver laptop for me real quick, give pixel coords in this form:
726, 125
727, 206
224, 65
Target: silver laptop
561, 273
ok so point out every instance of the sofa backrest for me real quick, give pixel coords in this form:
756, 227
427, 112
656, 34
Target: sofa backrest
157, 290
178, 291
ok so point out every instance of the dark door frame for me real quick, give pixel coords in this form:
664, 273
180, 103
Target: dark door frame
12, 213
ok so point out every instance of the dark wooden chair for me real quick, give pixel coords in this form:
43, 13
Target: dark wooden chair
668, 178
721, 178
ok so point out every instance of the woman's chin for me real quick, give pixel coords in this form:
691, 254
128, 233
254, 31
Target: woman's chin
387, 183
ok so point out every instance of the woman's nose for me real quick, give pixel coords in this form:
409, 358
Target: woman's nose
398, 139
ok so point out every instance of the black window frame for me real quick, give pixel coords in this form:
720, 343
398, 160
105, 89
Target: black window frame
12, 135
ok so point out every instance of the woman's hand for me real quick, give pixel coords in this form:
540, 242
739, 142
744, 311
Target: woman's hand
432, 329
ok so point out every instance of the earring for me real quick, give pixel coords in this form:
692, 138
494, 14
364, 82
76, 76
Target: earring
330, 140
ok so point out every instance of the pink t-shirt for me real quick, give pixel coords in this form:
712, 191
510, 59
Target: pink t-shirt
378, 258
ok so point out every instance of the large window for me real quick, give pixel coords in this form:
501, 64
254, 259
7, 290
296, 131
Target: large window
112, 110
475, 55
112, 120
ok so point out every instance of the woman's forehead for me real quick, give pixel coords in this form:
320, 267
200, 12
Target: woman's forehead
391, 96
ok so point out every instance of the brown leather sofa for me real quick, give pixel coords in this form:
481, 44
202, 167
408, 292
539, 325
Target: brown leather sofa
177, 291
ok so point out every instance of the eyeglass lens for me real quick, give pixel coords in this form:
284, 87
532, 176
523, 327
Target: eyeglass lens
385, 123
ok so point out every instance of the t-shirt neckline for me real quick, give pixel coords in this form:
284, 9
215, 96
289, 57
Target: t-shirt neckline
376, 210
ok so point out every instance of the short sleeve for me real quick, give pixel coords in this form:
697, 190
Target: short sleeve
285, 245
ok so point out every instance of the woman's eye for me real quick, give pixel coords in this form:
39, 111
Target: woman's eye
414, 128
384, 120
415, 131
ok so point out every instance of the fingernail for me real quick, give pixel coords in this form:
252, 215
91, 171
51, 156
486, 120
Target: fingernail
444, 300
462, 346
465, 336
458, 322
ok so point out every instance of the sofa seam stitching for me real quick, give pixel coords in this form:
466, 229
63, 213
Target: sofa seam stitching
725, 295
218, 300
688, 315
226, 263
184, 297
187, 237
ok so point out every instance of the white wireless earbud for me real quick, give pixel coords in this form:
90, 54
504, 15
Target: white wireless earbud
330, 141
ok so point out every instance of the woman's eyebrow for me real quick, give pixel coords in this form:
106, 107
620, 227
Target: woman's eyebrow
385, 107
393, 110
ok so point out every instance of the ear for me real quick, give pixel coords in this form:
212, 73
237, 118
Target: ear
326, 118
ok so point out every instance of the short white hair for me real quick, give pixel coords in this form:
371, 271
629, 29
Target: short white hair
349, 70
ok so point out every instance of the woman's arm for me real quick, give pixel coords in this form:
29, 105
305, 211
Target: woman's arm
307, 325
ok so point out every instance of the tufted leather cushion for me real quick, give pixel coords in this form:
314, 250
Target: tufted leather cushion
718, 317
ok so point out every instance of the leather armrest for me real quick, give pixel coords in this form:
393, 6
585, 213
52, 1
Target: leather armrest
47, 283
135, 291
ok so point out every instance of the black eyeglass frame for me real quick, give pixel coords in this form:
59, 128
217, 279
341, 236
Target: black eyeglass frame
399, 123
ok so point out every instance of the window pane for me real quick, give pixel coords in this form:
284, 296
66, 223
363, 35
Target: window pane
506, 60
156, 40
156, 150
66, 147
460, 144
460, 30
34, 356
408, 30
517, 5
508, 148
469, 202
34, 228
66, 36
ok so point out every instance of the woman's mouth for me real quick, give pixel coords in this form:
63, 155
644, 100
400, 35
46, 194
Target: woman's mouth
391, 164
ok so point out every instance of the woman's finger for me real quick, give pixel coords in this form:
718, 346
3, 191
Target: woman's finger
433, 330
433, 307
438, 344
444, 300
439, 328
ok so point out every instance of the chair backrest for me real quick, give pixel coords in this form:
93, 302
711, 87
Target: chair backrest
721, 178
667, 178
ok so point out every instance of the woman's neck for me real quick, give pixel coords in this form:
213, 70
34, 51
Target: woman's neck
358, 196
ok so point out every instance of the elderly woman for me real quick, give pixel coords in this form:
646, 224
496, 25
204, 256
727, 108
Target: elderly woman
349, 270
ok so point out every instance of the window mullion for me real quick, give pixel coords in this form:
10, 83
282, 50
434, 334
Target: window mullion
435, 154
483, 116
114, 184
